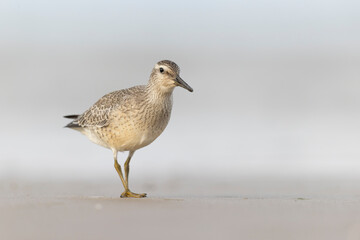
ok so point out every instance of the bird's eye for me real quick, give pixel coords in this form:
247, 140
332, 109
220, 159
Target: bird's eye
161, 70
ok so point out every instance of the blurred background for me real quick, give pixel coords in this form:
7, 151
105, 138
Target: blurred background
276, 87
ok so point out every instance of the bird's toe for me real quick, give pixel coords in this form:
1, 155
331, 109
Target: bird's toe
128, 194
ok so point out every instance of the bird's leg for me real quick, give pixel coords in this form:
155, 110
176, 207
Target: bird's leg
127, 168
127, 192
118, 169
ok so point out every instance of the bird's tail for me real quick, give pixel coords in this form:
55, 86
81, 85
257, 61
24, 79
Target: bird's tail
73, 124
74, 116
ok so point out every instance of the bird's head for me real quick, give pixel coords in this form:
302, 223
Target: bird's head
166, 74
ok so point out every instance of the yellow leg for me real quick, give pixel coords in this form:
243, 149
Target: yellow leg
127, 192
127, 168
118, 169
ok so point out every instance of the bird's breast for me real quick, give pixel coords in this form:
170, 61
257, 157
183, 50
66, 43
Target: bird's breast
140, 127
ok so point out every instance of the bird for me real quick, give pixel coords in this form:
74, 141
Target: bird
129, 119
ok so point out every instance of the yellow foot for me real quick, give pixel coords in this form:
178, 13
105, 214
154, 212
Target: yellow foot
128, 194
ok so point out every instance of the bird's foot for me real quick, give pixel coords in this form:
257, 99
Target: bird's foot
129, 194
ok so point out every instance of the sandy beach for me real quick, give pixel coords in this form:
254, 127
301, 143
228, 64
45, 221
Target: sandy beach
248, 209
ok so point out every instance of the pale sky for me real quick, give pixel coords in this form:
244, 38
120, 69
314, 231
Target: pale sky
246, 24
276, 85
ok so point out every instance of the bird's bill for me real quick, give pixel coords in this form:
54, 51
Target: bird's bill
183, 84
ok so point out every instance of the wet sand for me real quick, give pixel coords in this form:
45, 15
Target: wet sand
247, 209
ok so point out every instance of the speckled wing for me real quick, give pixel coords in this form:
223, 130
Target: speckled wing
98, 115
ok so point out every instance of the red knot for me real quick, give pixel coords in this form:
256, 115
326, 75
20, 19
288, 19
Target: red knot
129, 119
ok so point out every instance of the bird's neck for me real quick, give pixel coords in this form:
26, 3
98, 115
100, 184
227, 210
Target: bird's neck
158, 93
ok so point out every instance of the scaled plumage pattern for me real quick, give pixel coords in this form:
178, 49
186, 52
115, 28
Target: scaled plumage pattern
132, 118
